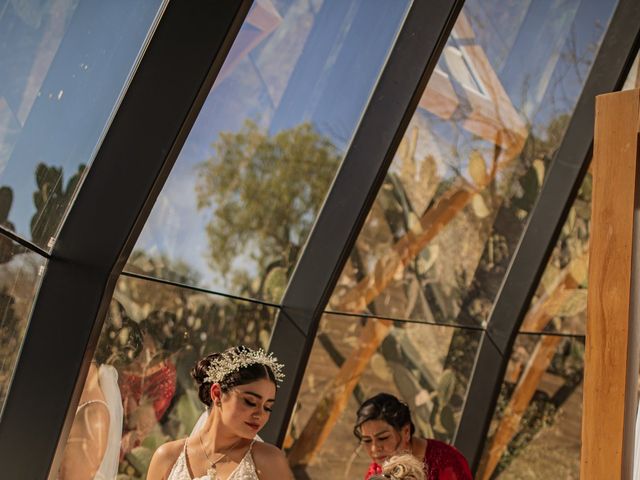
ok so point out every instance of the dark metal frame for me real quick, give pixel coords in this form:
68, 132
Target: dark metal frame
21, 241
193, 288
410, 64
165, 95
610, 67
169, 87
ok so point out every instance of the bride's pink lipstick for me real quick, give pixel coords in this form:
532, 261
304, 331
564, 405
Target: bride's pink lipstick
253, 426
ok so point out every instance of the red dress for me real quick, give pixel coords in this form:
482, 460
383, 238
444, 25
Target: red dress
158, 387
441, 462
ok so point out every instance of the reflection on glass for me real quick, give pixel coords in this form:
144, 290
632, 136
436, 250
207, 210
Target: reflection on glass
535, 431
152, 337
63, 65
246, 188
560, 302
633, 78
20, 274
427, 366
438, 241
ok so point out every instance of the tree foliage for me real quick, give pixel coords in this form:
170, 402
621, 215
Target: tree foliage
262, 193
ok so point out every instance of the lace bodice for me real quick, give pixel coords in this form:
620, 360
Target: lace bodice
246, 469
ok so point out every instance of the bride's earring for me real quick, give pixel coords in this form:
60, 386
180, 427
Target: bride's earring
216, 394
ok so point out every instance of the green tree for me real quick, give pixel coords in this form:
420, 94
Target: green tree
263, 193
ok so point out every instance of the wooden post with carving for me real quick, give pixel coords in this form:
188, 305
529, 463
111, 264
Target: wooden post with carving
611, 359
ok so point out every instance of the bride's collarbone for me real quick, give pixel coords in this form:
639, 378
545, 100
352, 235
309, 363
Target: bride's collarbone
225, 463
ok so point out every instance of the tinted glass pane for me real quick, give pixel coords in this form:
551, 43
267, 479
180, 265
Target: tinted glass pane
247, 186
152, 337
542, 391
20, 273
427, 366
633, 79
63, 66
560, 302
438, 241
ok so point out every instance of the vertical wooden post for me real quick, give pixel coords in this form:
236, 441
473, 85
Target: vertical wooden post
611, 359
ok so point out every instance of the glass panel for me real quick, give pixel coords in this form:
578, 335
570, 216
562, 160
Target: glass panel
560, 302
542, 391
246, 188
438, 240
152, 337
353, 358
63, 65
633, 78
21, 271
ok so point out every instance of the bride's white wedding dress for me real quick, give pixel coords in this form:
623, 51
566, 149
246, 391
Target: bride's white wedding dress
246, 469
108, 380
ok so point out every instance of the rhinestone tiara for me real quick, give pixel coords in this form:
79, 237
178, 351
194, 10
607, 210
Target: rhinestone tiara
234, 359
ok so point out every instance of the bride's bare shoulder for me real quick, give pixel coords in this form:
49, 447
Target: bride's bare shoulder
164, 458
171, 449
270, 462
265, 449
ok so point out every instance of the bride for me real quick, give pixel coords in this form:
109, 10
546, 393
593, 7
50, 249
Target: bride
238, 386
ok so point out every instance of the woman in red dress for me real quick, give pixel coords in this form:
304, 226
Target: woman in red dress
384, 427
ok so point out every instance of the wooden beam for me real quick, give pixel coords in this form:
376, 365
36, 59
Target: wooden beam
611, 358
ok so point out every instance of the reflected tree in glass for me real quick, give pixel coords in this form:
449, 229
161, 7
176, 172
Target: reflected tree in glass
261, 193
535, 431
560, 301
294, 64
419, 363
439, 240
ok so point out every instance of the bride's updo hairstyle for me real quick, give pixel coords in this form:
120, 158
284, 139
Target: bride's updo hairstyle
386, 407
234, 367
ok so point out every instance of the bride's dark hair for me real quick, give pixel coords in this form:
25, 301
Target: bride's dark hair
242, 376
386, 407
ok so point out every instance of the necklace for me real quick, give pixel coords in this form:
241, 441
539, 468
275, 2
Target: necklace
212, 471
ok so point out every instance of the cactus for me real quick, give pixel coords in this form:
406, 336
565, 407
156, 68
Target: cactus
6, 245
51, 201
446, 386
6, 200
